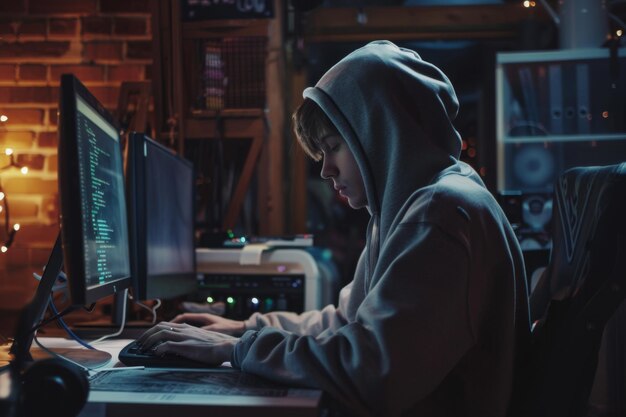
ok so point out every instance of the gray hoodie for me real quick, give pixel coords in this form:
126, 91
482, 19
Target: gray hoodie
438, 303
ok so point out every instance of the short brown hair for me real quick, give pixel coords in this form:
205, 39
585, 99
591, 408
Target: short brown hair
311, 125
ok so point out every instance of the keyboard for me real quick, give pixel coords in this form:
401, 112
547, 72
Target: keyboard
131, 355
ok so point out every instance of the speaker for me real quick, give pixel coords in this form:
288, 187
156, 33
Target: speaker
52, 387
537, 211
532, 167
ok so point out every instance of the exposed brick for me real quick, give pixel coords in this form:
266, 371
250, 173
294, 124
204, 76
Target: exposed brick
33, 72
8, 26
43, 49
39, 256
130, 26
14, 295
48, 139
24, 116
12, 7
28, 94
50, 207
53, 117
62, 6
23, 208
32, 27
19, 256
97, 25
32, 161
29, 184
83, 72
139, 49
102, 51
63, 27
53, 163
7, 72
125, 6
16, 140
36, 234
126, 73
106, 95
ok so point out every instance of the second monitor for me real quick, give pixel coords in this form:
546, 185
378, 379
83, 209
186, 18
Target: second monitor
160, 187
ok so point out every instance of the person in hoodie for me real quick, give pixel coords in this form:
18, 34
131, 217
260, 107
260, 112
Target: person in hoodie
431, 322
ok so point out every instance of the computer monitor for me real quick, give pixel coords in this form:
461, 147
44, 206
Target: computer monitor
93, 243
94, 226
160, 188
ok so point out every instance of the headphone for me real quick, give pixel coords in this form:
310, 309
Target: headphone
50, 386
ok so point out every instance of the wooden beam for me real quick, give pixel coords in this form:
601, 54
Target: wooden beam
416, 22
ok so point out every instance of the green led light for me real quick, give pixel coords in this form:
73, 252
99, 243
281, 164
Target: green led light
230, 300
209, 300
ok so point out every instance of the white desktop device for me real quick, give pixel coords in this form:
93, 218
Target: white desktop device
260, 278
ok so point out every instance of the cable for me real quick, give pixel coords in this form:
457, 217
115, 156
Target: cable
66, 327
150, 309
56, 316
56, 355
121, 329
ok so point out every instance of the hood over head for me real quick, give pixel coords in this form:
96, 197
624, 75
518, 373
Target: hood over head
395, 112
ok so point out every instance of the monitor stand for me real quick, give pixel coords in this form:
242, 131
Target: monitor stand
34, 312
98, 328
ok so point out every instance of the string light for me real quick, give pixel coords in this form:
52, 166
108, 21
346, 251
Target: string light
3, 118
619, 33
4, 207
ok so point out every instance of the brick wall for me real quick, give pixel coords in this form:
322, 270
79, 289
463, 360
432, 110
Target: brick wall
103, 42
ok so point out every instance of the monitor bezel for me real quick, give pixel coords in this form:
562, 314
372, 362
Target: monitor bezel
69, 191
162, 286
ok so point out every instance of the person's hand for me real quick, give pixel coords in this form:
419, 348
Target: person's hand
191, 342
212, 322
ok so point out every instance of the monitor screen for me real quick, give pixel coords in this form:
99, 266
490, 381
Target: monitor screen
94, 223
161, 211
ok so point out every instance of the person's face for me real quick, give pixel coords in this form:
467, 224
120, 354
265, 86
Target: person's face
339, 164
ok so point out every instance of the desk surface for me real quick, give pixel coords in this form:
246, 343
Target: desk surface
116, 390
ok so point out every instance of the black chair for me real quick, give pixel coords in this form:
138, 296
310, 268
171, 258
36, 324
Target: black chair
583, 285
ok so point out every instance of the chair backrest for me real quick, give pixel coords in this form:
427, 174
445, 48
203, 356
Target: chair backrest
580, 290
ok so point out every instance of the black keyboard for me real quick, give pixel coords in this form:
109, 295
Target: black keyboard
131, 355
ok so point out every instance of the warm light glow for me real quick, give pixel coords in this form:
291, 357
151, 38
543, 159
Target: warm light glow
16, 227
8, 151
4, 249
526, 3
619, 33
3, 118
24, 170
0, 209
605, 114
1, 196
533, 4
